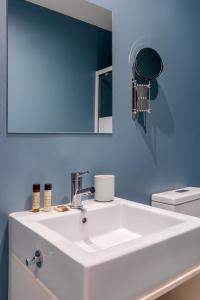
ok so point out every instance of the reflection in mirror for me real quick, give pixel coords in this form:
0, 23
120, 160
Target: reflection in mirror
148, 64
59, 67
103, 101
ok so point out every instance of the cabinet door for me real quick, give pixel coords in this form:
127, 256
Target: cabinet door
23, 284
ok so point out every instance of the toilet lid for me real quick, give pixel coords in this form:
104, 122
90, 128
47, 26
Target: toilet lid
177, 197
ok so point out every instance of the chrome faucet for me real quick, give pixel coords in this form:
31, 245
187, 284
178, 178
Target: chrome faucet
76, 190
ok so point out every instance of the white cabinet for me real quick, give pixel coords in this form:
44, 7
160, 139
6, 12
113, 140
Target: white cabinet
24, 285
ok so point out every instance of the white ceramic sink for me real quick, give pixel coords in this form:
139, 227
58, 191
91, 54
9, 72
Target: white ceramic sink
108, 226
123, 251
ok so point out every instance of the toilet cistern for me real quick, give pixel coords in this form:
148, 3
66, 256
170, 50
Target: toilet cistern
185, 200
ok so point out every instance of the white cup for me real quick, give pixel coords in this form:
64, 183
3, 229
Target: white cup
104, 188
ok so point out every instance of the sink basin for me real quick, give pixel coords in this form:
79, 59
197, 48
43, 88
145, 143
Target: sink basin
109, 226
112, 251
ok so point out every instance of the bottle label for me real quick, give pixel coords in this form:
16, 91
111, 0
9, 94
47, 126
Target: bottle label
36, 200
47, 199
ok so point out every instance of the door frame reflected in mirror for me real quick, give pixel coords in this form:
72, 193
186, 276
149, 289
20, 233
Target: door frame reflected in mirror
107, 128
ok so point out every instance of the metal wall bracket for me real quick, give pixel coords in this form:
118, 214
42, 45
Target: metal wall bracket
140, 98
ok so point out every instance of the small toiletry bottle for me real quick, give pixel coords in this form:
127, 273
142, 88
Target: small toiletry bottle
36, 198
47, 197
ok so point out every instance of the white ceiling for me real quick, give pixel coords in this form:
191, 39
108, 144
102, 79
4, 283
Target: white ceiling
80, 9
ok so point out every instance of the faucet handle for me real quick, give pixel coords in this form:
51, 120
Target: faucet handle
83, 173
78, 175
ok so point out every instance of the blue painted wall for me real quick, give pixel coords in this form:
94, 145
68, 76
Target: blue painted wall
52, 60
166, 157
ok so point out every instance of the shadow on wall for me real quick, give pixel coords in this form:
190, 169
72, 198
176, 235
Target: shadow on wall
3, 257
160, 119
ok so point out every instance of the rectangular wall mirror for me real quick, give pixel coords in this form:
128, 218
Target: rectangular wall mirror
59, 67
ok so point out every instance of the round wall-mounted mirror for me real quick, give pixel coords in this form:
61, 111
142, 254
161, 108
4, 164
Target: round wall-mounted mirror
148, 64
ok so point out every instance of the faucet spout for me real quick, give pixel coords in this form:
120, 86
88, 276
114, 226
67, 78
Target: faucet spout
77, 191
88, 191
77, 199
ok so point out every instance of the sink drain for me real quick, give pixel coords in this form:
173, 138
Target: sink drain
84, 220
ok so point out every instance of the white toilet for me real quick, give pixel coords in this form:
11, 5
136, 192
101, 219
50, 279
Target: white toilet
186, 201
